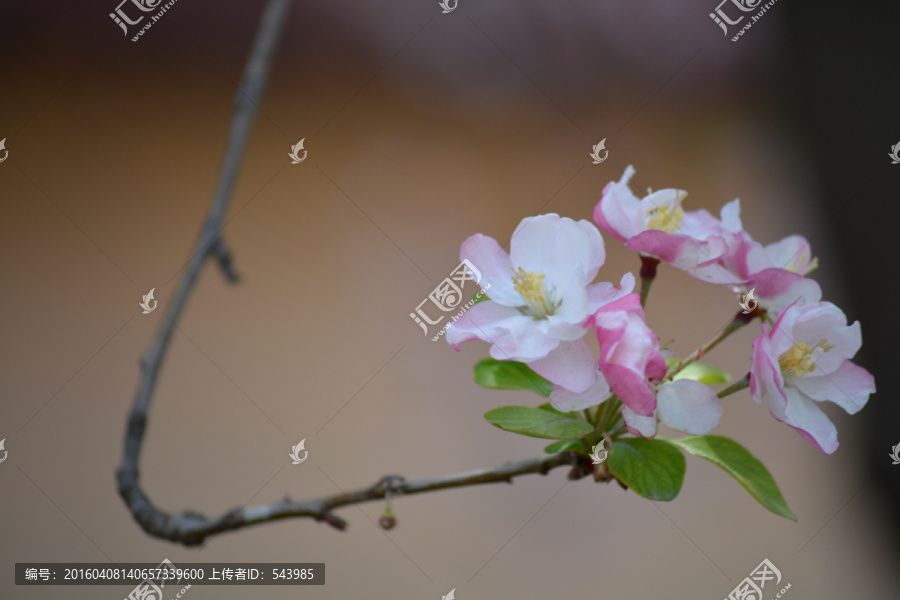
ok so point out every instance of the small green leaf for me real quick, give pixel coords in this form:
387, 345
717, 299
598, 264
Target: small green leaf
547, 406
536, 422
476, 298
703, 373
563, 445
652, 468
743, 466
510, 375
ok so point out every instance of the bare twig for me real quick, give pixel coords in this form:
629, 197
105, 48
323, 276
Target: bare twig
191, 528
210, 244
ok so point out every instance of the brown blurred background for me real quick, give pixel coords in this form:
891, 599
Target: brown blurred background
422, 128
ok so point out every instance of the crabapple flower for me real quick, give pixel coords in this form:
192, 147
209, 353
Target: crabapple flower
804, 358
685, 405
541, 297
629, 353
657, 225
776, 272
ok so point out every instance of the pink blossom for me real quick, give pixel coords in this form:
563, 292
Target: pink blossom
657, 225
776, 272
541, 297
804, 358
629, 353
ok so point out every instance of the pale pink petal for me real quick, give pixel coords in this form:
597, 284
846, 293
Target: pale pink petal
570, 365
688, 406
566, 401
485, 321
792, 253
807, 418
639, 424
558, 248
849, 386
781, 335
601, 294
731, 216
777, 288
825, 321
699, 224
488, 257
765, 373
617, 213
523, 342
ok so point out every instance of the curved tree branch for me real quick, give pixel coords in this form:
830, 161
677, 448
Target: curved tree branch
191, 528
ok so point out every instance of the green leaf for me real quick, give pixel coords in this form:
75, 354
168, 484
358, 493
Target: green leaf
652, 468
477, 299
536, 422
547, 406
743, 466
510, 375
563, 445
701, 372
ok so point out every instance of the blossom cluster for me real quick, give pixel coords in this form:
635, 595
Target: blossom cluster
544, 302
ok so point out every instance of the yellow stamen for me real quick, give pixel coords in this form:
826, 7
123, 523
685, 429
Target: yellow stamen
813, 265
666, 218
797, 360
533, 290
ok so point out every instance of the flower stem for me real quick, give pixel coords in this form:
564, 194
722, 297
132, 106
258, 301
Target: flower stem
648, 274
739, 321
736, 386
608, 417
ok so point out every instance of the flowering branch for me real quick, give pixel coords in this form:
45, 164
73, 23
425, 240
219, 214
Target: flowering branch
740, 319
191, 528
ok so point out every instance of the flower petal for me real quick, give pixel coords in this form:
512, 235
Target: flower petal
566, 401
602, 293
676, 249
639, 424
488, 257
807, 418
825, 321
570, 365
778, 288
484, 321
792, 253
688, 406
849, 386
618, 211
559, 248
